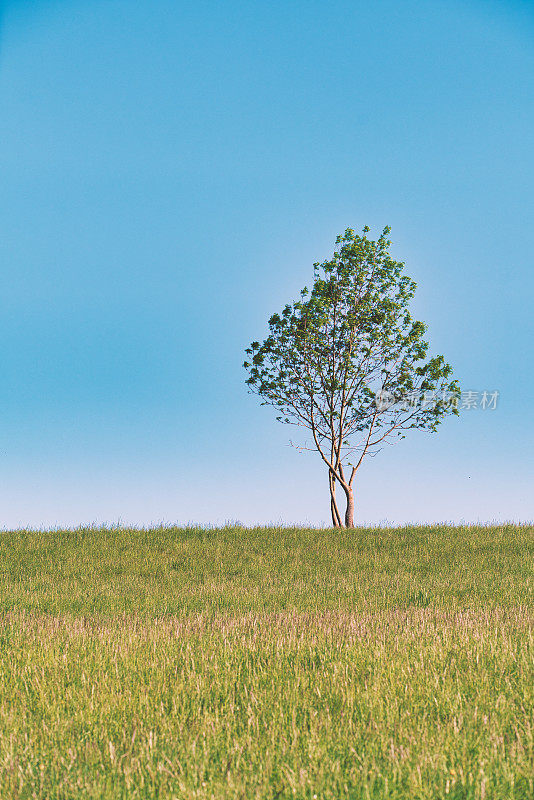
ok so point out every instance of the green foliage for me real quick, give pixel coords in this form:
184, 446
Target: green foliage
267, 663
332, 356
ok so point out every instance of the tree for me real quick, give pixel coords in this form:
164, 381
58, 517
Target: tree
348, 363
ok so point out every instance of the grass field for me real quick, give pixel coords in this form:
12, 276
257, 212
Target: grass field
267, 663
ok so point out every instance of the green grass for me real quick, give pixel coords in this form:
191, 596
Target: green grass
267, 663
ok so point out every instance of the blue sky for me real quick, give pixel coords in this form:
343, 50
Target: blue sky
170, 171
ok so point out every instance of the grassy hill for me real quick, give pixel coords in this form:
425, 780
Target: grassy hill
267, 663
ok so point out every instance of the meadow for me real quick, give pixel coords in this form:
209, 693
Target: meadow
267, 664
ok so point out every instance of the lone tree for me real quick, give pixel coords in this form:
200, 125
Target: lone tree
348, 362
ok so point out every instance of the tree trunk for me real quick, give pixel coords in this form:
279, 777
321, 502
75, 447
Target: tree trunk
349, 513
334, 510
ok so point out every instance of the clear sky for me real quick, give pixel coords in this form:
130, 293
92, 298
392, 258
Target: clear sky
169, 173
